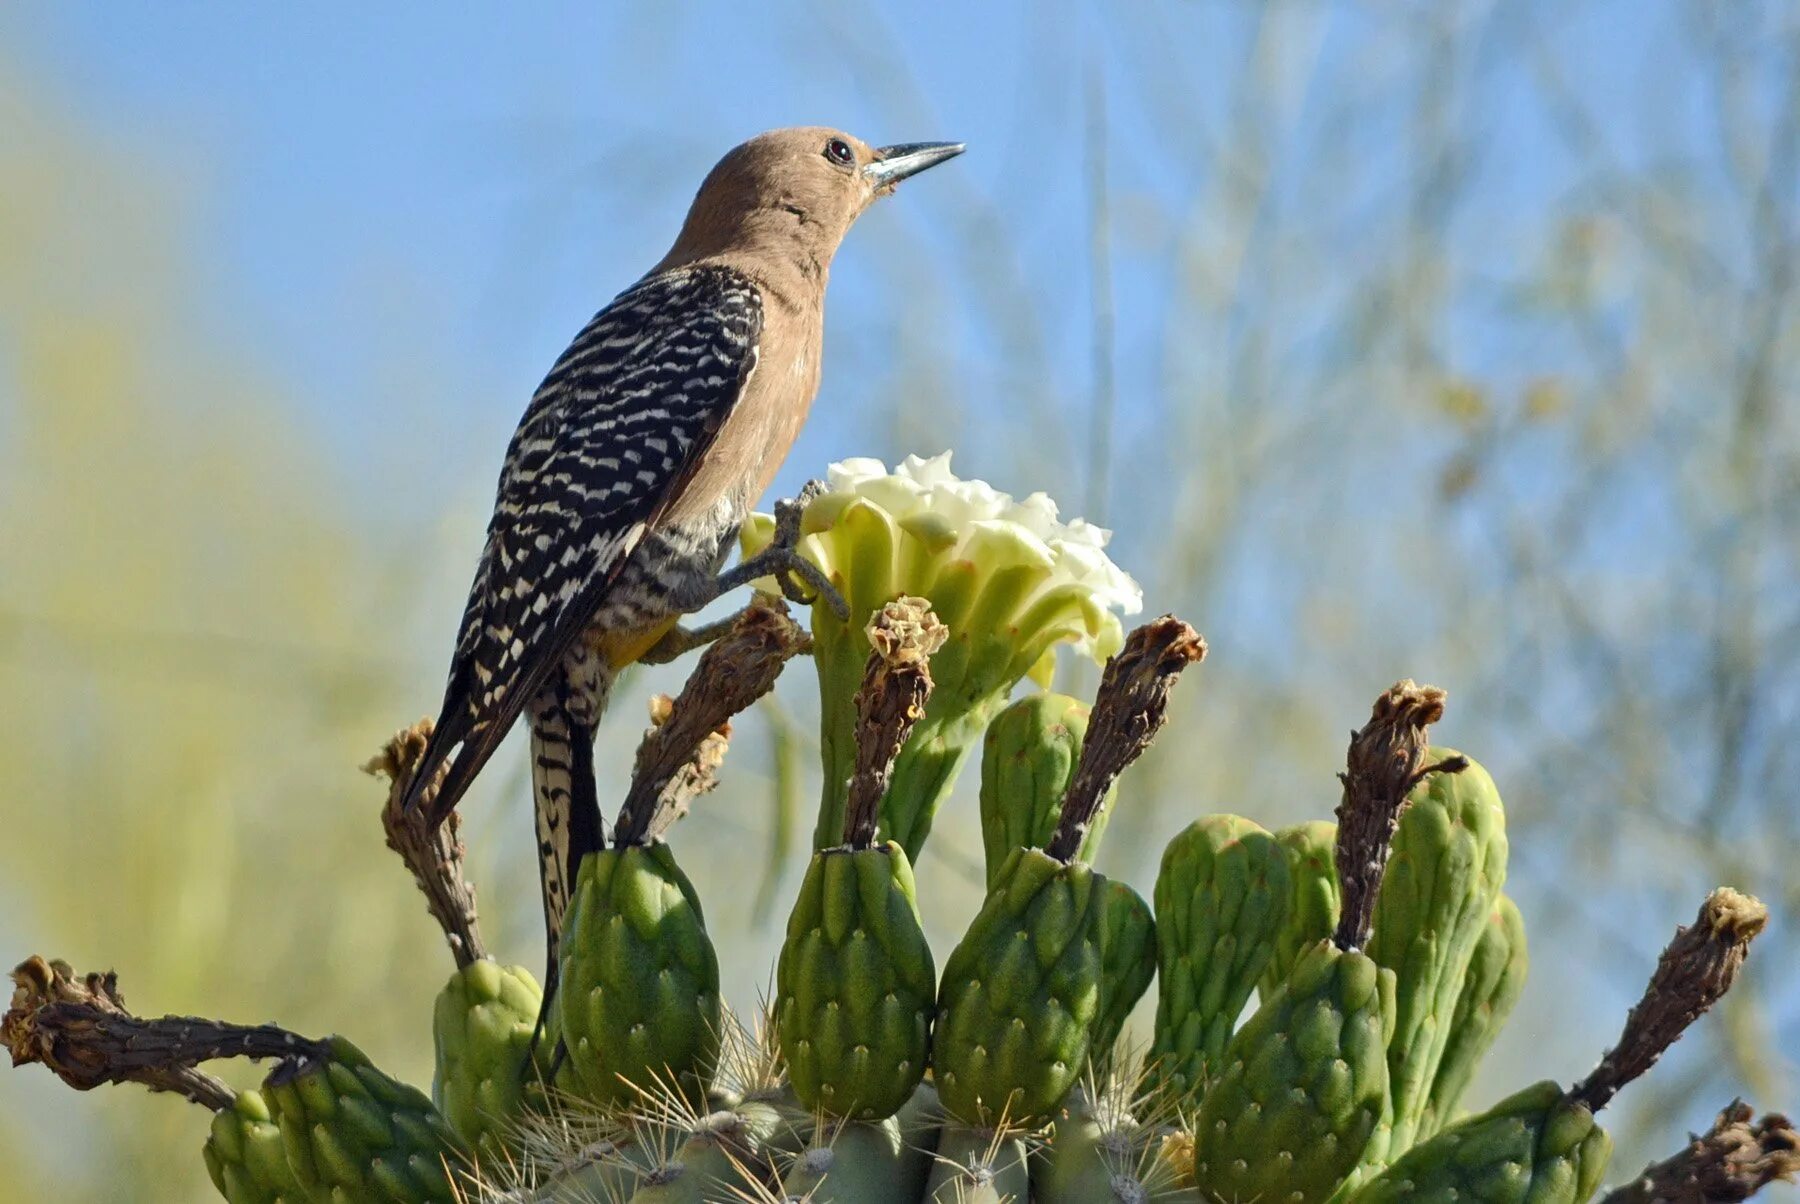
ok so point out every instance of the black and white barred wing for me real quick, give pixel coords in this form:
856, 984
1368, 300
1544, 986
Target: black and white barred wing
612, 434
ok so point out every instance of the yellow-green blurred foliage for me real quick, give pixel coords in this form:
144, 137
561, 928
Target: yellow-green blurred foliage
189, 673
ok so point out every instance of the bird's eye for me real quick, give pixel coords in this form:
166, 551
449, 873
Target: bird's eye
839, 152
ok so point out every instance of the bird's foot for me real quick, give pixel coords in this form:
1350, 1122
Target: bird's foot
802, 582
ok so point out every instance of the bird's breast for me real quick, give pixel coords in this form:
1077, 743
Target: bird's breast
761, 428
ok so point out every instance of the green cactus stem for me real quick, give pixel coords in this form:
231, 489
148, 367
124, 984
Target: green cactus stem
859, 1162
1021, 991
1302, 1103
1492, 986
978, 1165
1536, 1145
1314, 901
481, 1029
1127, 936
856, 984
245, 1156
1445, 872
1100, 1153
703, 1169
638, 1003
353, 1134
1542, 1145
1027, 760
1222, 895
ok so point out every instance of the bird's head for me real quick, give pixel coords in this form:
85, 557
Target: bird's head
795, 192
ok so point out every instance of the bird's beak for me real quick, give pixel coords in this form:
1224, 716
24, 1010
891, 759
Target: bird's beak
894, 163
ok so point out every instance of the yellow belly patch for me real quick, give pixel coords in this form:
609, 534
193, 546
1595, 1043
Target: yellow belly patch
621, 648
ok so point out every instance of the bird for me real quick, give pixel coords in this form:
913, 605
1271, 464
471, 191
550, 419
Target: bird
636, 461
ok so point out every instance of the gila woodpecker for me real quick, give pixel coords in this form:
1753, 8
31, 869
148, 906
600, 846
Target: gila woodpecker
637, 459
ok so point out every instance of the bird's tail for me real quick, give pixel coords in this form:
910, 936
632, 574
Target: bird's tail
564, 796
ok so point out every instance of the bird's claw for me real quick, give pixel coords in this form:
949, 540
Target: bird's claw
802, 582
790, 513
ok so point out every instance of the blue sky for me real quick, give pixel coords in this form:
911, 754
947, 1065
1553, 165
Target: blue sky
404, 218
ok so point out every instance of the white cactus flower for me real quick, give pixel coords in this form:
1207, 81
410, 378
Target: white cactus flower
980, 553
1009, 579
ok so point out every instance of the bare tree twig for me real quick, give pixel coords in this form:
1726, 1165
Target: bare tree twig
435, 857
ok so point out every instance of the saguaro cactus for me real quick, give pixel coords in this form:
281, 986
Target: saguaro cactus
1022, 988
1302, 1102
1542, 1144
855, 984
1222, 898
1447, 867
1385, 956
639, 1003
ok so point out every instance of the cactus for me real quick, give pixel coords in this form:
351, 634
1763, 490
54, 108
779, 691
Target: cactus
1302, 1104
1384, 954
1221, 898
980, 1165
353, 1134
1008, 580
855, 983
1103, 1149
877, 1163
1314, 900
1493, 984
1127, 935
1027, 760
1446, 870
639, 1004
245, 1156
856, 986
638, 1008
1021, 991
1542, 1145
481, 1028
